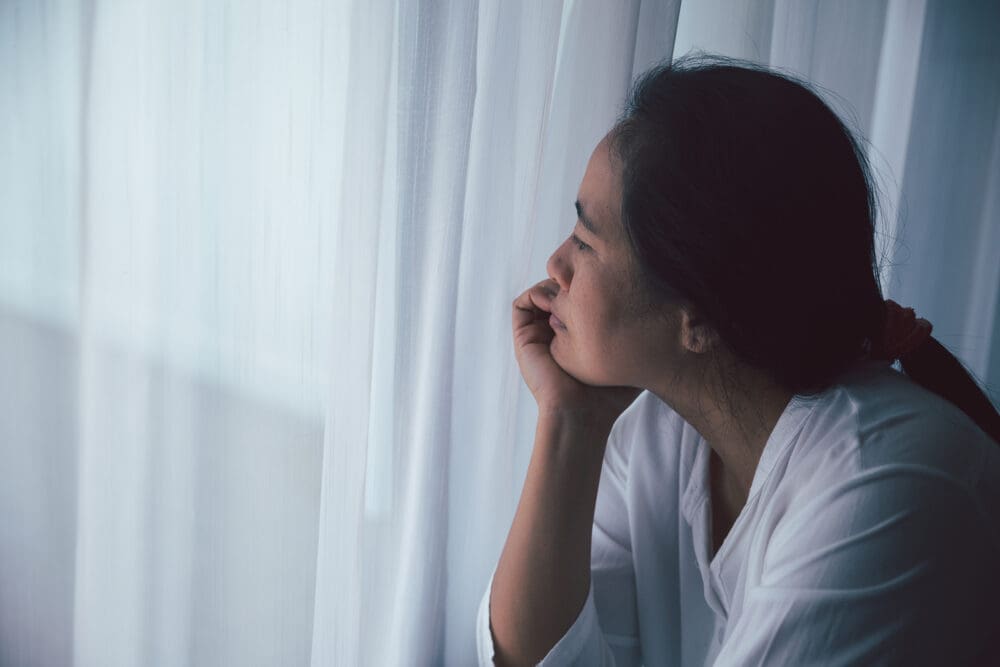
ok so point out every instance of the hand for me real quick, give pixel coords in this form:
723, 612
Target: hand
554, 389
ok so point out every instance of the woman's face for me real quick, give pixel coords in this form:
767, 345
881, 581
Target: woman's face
607, 330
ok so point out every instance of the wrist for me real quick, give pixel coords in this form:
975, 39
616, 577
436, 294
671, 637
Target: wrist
576, 418
573, 430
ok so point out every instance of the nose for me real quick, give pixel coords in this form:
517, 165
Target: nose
559, 268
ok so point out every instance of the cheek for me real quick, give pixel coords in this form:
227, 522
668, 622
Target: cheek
602, 316
603, 331
612, 313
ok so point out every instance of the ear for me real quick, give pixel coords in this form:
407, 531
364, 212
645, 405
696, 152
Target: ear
697, 335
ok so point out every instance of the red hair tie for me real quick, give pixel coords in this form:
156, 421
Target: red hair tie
904, 332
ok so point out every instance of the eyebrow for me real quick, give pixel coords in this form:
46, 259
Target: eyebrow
587, 222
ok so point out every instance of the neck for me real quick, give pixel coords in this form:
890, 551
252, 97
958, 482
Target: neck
735, 424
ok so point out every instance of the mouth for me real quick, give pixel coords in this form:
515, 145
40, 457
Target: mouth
556, 323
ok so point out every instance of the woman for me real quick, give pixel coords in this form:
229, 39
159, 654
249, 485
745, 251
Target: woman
779, 494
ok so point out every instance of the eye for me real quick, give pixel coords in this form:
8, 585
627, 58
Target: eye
580, 245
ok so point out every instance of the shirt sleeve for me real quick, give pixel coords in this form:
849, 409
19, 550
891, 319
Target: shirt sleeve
895, 566
605, 632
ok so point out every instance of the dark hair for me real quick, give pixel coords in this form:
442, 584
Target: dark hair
746, 196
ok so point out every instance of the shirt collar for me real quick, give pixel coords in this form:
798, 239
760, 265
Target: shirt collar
785, 429
784, 432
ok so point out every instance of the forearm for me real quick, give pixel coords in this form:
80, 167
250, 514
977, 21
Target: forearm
542, 579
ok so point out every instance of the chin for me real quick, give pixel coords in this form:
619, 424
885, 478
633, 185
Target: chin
582, 373
567, 364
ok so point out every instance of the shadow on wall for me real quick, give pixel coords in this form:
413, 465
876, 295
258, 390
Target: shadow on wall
254, 493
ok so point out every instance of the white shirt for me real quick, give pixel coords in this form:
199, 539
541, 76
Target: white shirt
871, 535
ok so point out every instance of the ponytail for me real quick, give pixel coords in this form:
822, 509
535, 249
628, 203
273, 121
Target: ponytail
935, 368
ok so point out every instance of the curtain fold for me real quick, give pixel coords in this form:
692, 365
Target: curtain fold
256, 266
368, 162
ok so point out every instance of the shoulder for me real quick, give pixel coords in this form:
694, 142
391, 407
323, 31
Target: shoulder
876, 533
877, 417
647, 413
882, 521
646, 437
647, 419
887, 467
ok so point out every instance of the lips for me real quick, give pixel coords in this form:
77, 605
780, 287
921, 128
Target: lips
556, 323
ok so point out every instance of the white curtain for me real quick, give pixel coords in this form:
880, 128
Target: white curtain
258, 402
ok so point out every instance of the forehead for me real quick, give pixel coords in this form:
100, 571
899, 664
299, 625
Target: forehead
600, 189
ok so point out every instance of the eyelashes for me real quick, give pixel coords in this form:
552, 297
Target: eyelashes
580, 245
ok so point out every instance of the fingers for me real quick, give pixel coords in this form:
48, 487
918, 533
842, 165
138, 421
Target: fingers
530, 312
534, 303
538, 331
